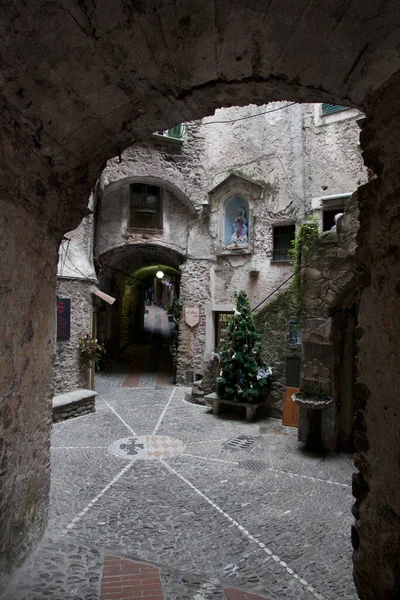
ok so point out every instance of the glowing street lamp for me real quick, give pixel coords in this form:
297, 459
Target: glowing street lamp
159, 274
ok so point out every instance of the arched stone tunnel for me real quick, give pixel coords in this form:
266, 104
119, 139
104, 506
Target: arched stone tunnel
127, 271
81, 82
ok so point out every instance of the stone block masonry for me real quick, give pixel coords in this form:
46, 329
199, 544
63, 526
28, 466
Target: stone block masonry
69, 373
73, 404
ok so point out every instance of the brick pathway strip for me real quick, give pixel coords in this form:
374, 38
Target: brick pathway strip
124, 579
234, 594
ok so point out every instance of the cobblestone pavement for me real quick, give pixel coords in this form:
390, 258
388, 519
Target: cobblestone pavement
208, 500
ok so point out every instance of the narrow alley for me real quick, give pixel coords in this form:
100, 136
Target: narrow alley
155, 497
150, 360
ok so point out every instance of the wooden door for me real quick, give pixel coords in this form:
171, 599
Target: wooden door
290, 409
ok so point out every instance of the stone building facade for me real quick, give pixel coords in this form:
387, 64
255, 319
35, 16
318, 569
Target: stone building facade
76, 282
278, 163
76, 91
328, 366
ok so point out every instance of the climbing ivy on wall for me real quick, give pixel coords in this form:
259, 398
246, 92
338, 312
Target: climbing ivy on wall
305, 238
176, 311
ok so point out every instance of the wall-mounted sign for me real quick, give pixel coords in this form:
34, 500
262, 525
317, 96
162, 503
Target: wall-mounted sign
192, 315
63, 318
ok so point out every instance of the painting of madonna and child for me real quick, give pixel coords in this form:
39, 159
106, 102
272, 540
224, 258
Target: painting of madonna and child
236, 233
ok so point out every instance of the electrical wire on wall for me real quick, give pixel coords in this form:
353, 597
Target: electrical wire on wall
265, 112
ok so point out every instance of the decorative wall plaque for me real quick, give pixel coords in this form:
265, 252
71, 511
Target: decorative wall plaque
192, 315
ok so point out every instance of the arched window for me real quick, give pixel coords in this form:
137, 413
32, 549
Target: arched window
236, 223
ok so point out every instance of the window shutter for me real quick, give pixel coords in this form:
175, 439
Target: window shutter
175, 132
327, 109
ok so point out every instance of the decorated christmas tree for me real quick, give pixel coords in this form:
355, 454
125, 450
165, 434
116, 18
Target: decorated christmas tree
243, 374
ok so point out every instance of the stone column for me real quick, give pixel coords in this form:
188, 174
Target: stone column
376, 487
34, 213
28, 259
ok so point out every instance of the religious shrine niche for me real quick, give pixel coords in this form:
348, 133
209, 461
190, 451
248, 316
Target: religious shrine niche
236, 224
232, 202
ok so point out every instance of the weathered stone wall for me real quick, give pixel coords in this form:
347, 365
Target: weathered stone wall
328, 297
329, 270
27, 340
376, 536
266, 159
76, 281
273, 324
114, 230
254, 270
69, 374
30, 224
333, 157
195, 290
168, 159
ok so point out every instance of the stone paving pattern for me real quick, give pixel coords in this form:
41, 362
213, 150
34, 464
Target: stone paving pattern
235, 509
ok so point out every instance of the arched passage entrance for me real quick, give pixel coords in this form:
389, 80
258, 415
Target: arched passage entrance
145, 280
78, 86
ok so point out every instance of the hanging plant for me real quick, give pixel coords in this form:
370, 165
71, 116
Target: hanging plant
90, 350
305, 238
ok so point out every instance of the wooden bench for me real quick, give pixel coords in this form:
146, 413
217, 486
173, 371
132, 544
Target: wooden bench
73, 404
216, 403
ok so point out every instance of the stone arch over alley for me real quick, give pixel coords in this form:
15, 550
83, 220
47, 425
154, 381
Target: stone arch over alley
81, 91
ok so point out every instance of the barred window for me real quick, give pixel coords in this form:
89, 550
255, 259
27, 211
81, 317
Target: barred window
283, 236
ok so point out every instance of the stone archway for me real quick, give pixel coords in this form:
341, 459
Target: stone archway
126, 272
80, 84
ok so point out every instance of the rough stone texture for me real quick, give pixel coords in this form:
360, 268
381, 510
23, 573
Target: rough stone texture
195, 291
328, 296
30, 215
76, 250
273, 323
69, 374
204, 60
334, 164
76, 279
75, 89
210, 375
376, 537
75, 404
328, 273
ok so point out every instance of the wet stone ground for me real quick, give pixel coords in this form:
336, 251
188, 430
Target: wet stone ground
207, 499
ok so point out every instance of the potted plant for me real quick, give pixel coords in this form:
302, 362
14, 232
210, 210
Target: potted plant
90, 350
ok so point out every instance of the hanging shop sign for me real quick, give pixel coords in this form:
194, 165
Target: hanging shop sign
192, 315
63, 318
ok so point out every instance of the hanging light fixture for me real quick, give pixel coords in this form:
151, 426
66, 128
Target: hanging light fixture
159, 274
